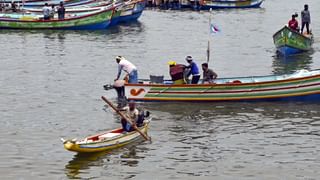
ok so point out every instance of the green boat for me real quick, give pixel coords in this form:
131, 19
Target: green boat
100, 19
290, 42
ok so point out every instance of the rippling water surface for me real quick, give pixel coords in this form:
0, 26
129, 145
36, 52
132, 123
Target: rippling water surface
51, 83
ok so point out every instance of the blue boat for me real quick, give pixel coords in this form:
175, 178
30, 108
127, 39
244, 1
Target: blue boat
221, 4
289, 42
130, 11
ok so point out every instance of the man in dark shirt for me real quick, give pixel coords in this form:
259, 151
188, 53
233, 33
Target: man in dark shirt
208, 74
305, 19
61, 11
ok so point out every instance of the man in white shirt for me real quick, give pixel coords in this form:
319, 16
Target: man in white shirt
127, 67
46, 11
133, 114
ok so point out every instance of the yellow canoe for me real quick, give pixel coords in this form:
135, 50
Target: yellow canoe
105, 141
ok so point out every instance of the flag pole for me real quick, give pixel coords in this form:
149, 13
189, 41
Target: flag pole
208, 48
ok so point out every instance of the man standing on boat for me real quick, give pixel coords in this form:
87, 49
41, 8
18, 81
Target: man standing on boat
305, 19
61, 11
208, 74
194, 70
293, 23
46, 12
129, 68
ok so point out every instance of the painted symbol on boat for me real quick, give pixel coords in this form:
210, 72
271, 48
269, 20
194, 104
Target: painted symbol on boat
135, 92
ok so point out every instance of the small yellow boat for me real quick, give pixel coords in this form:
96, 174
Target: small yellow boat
105, 141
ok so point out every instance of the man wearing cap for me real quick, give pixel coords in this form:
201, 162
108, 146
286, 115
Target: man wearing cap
176, 72
194, 70
127, 67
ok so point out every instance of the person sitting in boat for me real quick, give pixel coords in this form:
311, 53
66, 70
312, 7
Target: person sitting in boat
305, 19
293, 23
208, 74
129, 68
133, 114
61, 11
194, 70
46, 12
176, 72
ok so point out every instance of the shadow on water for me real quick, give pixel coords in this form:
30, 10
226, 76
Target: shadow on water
267, 109
134, 28
127, 156
283, 65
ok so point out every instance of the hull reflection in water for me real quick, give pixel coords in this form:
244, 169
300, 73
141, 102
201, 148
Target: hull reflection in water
290, 64
84, 161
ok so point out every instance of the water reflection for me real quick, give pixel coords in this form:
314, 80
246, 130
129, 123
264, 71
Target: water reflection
228, 109
81, 163
134, 28
283, 65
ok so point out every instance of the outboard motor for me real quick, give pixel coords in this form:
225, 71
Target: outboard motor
119, 87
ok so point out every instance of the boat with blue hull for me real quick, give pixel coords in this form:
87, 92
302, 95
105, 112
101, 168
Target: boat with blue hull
289, 42
130, 11
221, 4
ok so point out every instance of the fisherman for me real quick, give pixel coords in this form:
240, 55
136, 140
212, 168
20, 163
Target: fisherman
176, 72
46, 11
293, 23
194, 70
129, 68
134, 115
208, 74
61, 11
305, 19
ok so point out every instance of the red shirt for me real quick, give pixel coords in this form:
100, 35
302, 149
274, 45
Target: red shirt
293, 24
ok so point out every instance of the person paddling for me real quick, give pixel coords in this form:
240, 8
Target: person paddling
134, 115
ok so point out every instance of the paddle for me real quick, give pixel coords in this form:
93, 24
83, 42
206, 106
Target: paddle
124, 117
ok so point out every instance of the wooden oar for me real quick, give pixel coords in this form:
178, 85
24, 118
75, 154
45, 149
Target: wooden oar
125, 118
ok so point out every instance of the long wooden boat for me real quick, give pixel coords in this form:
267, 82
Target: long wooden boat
222, 4
74, 9
88, 21
32, 1
303, 85
290, 42
105, 141
129, 11
67, 3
